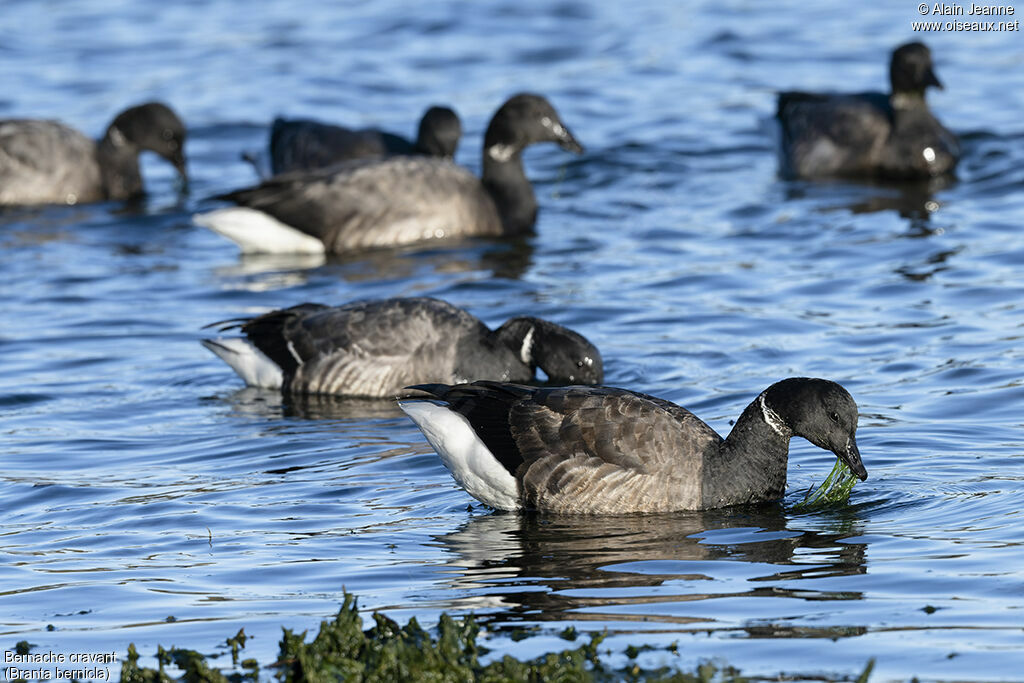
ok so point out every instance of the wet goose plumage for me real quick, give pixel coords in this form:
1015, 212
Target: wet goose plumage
46, 162
375, 348
873, 134
303, 144
601, 450
390, 202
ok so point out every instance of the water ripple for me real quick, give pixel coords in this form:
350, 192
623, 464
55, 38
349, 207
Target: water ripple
141, 482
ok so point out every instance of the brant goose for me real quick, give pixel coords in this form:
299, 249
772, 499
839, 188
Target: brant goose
601, 450
375, 348
46, 162
396, 201
302, 144
869, 135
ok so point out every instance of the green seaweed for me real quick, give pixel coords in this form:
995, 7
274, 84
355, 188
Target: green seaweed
832, 492
343, 651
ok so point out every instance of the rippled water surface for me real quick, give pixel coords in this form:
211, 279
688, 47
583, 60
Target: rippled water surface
149, 498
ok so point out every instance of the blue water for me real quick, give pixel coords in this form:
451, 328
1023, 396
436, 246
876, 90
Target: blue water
149, 498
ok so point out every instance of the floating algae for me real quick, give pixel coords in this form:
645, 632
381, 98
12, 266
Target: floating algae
343, 651
835, 490
386, 652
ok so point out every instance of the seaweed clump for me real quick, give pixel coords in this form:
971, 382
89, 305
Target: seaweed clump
832, 492
386, 652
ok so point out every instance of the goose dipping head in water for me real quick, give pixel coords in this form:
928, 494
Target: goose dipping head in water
375, 348
46, 162
601, 450
401, 200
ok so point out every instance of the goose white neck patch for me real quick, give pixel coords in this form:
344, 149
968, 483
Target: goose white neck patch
295, 354
772, 418
526, 351
905, 100
117, 137
501, 152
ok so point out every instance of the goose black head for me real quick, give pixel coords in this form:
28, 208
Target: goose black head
566, 357
155, 127
822, 412
911, 69
523, 120
440, 130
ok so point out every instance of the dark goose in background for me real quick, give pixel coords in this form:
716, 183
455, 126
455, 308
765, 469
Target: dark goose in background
46, 162
303, 144
375, 348
869, 135
390, 202
601, 450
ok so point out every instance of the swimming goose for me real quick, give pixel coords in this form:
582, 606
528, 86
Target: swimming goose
303, 144
46, 162
401, 200
869, 134
375, 348
601, 450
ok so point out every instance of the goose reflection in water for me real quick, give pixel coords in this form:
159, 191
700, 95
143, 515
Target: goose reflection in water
916, 201
271, 404
505, 258
649, 568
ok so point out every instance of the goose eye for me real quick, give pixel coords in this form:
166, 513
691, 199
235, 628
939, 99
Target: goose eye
834, 416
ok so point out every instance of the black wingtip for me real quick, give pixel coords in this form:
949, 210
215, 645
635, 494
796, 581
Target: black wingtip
430, 390
225, 197
225, 325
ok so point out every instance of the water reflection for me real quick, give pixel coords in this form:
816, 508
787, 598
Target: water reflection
914, 201
929, 266
652, 568
22, 226
270, 404
502, 258
318, 407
